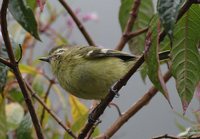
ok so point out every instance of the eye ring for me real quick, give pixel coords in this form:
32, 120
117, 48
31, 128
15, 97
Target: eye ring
61, 50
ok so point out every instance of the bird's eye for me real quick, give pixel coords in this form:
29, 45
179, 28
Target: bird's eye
61, 50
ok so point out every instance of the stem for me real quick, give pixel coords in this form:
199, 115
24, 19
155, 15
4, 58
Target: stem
45, 101
16, 71
5, 62
136, 33
78, 23
129, 25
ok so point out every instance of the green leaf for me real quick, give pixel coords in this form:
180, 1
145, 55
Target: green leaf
3, 125
24, 16
168, 12
38, 85
77, 125
16, 95
31, 4
152, 57
3, 68
14, 115
145, 13
185, 56
24, 131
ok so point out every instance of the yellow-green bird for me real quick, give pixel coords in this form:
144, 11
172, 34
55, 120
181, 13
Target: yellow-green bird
88, 72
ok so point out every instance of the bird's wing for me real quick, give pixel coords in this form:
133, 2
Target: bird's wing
99, 53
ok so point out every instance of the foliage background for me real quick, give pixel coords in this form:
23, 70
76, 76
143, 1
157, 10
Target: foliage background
106, 32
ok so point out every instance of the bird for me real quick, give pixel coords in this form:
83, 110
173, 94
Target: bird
88, 72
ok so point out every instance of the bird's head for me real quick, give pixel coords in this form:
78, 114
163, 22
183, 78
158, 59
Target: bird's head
55, 55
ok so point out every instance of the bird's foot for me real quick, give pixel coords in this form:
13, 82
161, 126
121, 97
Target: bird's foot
114, 90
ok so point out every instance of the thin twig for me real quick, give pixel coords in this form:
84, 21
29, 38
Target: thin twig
129, 25
166, 136
78, 23
51, 82
50, 112
92, 129
136, 33
6, 62
16, 70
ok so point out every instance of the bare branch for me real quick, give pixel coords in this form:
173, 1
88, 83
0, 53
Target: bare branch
78, 23
129, 25
5, 62
136, 33
51, 82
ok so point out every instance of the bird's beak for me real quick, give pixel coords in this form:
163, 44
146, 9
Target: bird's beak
46, 59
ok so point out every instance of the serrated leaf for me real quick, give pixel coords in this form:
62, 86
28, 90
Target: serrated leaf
168, 12
145, 13
185, 55
14, 115
24, 16
3, 125
78, 109
152, 57
24, 131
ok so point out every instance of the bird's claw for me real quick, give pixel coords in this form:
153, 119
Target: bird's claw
115, 91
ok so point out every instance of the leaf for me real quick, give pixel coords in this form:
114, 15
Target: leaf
168, 12
14, 115
3, 125
185, 56
38, 85
3, 68
31, 4
78, 109
28, 69
16, 95
152, 57
145, 13
24, 131
24, 16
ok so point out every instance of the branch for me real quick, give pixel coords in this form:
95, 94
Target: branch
136, 33
78, 23
132, 110
166, 136
50, 111
16, 71
5, 62
129, 25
